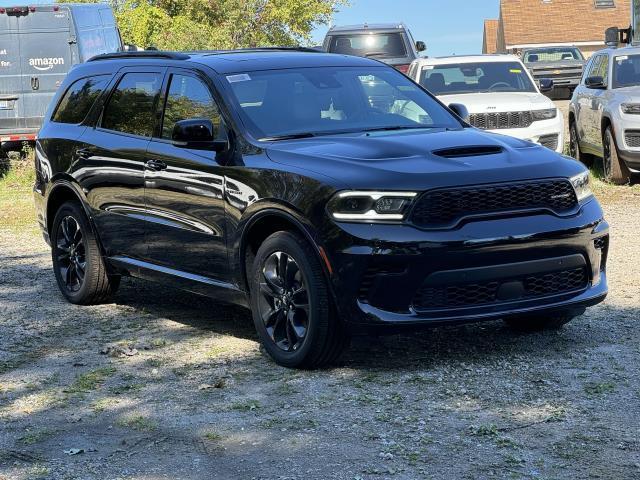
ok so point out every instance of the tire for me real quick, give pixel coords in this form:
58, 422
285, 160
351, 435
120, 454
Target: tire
77, 261
614, 169
574, 146
542, 321
291, 306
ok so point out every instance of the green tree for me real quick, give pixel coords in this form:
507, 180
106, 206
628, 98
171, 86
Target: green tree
220, 24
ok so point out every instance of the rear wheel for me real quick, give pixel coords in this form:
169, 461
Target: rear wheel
77, 262
542, 321
291, 306
614, 169
574, 146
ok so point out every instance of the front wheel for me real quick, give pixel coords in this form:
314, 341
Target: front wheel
291, 306
614, 168
542, 321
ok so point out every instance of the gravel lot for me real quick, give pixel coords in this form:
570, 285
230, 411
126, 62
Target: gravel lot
164, 384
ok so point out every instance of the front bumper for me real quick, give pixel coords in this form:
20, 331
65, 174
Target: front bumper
376, 282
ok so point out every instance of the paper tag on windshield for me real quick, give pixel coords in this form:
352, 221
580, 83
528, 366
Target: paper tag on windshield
428, 67
622, 58
515, 70
243, 77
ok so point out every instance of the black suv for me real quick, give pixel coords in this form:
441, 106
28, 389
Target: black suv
283, 181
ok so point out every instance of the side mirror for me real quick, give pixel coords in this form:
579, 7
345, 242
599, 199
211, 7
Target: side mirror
596, 82
611, 36
197, 133
460, 110
421, 46
546, 85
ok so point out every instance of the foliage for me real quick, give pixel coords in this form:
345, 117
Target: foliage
219, 24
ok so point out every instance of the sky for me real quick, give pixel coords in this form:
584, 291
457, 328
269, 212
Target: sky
446, 26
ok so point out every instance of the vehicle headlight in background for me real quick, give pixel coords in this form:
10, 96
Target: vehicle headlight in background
630, 108
363, 206
546, 114
581, 186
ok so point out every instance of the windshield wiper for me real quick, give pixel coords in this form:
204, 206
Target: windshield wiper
291, 136
375, 54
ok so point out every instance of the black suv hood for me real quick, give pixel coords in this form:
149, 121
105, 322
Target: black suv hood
421, 160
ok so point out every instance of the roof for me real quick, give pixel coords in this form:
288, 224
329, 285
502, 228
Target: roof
527, 22
236, 61
368, 26
490, 36
617, 52
455, 59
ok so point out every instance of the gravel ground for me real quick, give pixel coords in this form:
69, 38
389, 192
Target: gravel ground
164, 384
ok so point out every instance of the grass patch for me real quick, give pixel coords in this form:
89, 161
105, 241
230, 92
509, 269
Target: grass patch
212, 436
104, 404
138, 422
32, 437
90, 381
594, 388
17, 212
247, 406
489, 430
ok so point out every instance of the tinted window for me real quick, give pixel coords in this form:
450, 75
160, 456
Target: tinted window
476, 77
78, 99
626, 71
552, 55
366, 45
131, 107
320, 101
188, 97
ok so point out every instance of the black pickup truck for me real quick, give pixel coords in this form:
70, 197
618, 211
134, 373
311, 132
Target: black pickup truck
561, 64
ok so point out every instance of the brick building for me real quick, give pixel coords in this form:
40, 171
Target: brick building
536, 23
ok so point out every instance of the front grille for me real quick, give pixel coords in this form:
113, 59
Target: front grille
632, 138
549, 141
485, 293
558, 74
501, 120
445, 207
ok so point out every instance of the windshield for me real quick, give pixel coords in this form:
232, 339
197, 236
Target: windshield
626, 71
381, 45
552, 55
317, 101
480, 77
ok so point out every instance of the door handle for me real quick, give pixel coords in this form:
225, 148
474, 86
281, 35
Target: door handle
156, 165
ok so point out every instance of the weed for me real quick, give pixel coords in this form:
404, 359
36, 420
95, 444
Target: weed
138, 422
489, 430
90, 381
594, 388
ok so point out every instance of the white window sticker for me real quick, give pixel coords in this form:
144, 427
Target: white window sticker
622, 58
243, 77
429, 67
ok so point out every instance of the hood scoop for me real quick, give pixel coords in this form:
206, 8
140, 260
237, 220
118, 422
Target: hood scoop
472, 151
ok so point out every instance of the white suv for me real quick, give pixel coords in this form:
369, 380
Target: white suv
499, 93
604, 114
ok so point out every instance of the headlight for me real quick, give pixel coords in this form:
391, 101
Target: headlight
581, 186
546, 114
631, 108
352, 206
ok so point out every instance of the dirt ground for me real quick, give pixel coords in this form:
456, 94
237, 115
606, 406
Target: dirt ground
164, 384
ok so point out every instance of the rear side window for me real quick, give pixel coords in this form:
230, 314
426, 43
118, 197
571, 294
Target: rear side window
78, 99
188, 98
131, 107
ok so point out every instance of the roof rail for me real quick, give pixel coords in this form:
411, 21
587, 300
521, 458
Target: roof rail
262, 49
143, 54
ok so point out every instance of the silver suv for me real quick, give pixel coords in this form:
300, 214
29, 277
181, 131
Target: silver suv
604, 114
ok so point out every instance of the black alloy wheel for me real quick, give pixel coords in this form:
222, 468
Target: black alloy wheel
614, 169
292, 309
77, 260
284, 304
71, 253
